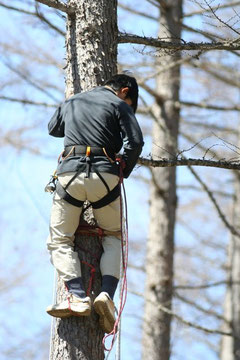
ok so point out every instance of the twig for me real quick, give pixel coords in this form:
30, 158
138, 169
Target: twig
213, 11
199, 12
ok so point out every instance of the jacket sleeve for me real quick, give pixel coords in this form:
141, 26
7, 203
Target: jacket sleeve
56, 124
132, 138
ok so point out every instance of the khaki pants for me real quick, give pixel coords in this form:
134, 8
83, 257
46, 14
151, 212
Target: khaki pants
65, 220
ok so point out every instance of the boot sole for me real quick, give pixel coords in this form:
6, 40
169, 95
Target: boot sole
65, 313
106, 321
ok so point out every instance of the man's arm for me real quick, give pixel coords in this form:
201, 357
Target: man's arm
132, 138
56, 124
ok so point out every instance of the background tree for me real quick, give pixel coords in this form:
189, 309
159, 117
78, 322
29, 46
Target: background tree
163, 199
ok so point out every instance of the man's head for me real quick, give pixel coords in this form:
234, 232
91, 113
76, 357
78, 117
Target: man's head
126, 88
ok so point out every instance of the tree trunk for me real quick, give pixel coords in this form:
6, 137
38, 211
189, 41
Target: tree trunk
163, 200
230, 346
91, 53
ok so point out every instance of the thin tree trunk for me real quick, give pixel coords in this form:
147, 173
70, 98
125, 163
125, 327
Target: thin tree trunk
163, 200
230, 346
91, 54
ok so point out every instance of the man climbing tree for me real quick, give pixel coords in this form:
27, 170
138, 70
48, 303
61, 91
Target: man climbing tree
95, 124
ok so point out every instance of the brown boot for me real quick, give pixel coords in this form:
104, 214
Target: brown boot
104, 307
73, 306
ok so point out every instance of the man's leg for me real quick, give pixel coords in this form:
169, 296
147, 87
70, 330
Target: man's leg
63, 224
108, 218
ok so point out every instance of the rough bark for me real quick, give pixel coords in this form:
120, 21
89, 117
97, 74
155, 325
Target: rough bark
230, 346
91, 44
91, 54
163, 201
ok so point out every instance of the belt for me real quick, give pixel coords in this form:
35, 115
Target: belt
86, 150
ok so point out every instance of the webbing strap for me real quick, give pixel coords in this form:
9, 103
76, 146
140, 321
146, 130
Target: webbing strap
67, 197
102, 179
107, 199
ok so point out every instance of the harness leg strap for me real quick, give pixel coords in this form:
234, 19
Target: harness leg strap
67, 197
107, 199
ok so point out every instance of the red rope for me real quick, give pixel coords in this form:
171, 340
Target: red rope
99, 234
92, 276
123, 294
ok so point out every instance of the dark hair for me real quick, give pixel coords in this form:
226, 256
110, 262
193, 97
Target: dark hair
119, 81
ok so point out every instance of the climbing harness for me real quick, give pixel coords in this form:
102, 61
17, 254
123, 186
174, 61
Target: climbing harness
87, 152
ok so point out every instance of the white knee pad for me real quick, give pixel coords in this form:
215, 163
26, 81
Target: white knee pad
111, 257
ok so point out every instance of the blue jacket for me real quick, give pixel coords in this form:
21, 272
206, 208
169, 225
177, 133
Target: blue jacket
97, 118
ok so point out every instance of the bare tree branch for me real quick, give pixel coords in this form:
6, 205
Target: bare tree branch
210, 36
57, 4
159, 99
188, 162
46, 21
191, 324
30, 81
209, 126
213, 200
200, 146
196, 188
16, 9
214, 12
224, 6
219, 72
201, 308
203, 105
202, 286
27, 102
154, 3
37, 14
231, 44
137, 12
165, 68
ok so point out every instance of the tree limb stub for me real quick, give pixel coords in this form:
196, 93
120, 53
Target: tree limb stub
57, 4
189, 162
231, 44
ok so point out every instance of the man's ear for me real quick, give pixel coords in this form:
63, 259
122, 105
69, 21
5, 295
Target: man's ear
124, 91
